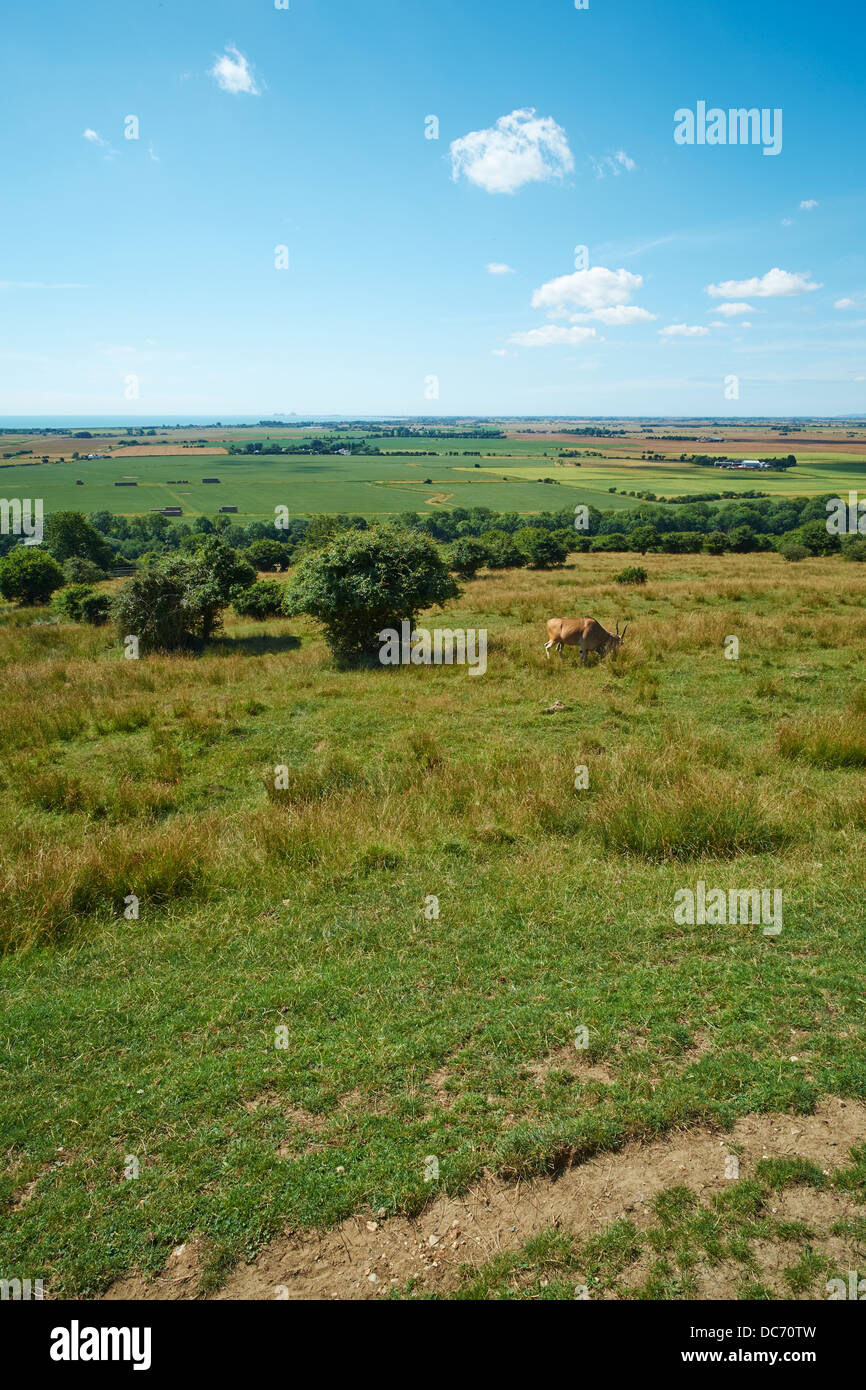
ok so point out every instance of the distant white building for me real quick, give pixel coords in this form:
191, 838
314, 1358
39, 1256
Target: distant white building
741, 463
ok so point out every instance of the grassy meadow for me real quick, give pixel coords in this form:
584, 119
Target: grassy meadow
412, 474
411, 1034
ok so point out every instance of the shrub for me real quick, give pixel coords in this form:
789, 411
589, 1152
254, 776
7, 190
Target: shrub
854, 548
365, 581
178, 601
268, 555
69, 600
632, 574
78, 570
614, 541
70, 534
466, 556
261, 600
502, 552
29, 575
542, 549
716, 543
792, 550
95, 608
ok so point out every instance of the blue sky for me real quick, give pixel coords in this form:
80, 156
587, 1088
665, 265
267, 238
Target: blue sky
153, 259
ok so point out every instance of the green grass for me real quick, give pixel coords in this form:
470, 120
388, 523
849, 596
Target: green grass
305, 909
505, 475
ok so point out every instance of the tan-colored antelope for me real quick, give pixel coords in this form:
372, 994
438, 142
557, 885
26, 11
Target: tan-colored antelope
585, 633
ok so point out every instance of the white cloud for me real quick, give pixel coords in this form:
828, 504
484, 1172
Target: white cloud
808, 204
745, 324
683, 330
787, 221
586, 290
613, 164
617, 314
845, 304
154, 157
499, 352
233, 72
776, 284
499, 268
521, 148
731, 311
94, 137
551, 336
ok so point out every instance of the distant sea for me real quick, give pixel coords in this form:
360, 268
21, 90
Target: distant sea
102, 422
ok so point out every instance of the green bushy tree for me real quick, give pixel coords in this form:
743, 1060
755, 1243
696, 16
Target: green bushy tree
28, 574
365, 581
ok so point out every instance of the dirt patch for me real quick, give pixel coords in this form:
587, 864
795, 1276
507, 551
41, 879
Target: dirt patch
366, 1255
180, 1279
574, 1063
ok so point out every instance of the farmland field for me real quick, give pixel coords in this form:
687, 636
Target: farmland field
504, 474
422, 1049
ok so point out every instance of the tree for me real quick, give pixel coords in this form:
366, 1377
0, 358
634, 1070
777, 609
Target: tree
264, 599
70, 533
366, 581
716, 543
82, 604
543, 550
466, 557
177, 602
502, 551
644, 538
29, 575
267, 555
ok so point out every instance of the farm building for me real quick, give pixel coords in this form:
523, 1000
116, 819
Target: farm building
741, 463
171, 511
228, 509
125, 483
210, 480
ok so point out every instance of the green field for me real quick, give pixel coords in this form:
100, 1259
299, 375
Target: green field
378, 486
453, 1036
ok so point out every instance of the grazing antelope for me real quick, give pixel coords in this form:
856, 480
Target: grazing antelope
585, 633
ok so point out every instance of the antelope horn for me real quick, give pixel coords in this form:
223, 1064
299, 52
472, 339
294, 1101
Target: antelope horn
625, 629
617, 627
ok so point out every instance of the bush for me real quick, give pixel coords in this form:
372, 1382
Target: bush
501, 551
261, 600
466, 556
614, 541
854, 548
542, 549
78, 570
633, 574
268, 555
29, 575
365, 581
791, 550
177, 602
70, 534
95, 608
716, 543
68, 601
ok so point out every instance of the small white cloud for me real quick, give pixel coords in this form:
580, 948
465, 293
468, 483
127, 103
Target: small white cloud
233, 72
552, 336
845, 304
499, 352
499, 268
776, 284
521, 148
154, 157
787, 221
731, 311
617, 314
94, 137
683, 330
587, 290
745, 324
618, 163
718, 323
808, 204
